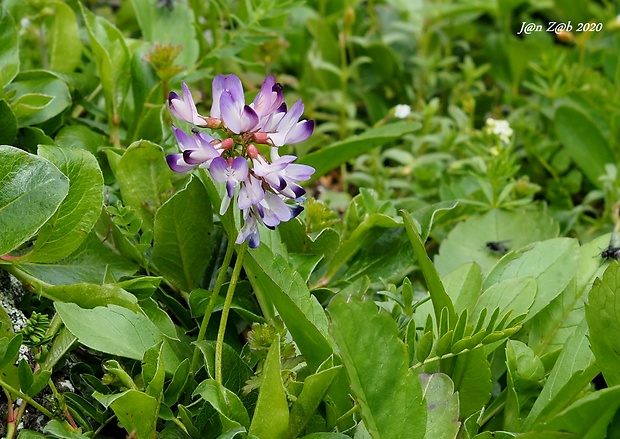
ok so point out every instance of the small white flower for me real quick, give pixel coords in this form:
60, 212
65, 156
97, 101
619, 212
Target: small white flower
500, 128
401, 111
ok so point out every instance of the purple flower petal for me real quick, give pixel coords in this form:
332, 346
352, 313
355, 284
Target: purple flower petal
251, 192
240, 168
219, 169
184, 140
217, 88
268, 99
230, 188
275, 210
184, 108
230, 113
299, 172
249, 119
300, 132
233, 85
249, 230
296, 210
177, 164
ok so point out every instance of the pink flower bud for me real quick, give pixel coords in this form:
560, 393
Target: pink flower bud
261, 137
252, 151
227, 143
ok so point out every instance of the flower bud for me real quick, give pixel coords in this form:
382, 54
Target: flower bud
261, 137
227, 143
213, 122
252, 151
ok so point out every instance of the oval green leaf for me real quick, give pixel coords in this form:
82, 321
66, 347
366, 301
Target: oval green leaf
68, 228
31, 189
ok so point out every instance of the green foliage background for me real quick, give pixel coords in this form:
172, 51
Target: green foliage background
382, 311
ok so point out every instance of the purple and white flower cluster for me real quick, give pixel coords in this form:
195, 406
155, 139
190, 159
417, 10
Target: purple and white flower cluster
267, 189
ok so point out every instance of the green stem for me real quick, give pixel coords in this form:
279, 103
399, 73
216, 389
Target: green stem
27, 399
214, 295
219, 344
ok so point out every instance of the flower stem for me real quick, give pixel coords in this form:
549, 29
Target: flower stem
219, 344
27, 399
214, 295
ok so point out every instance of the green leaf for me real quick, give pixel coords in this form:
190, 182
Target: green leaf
467, 241
153, 372
90, 295
230, 408
464, 286
29, 434
234, 370
340, 152
178, 382
567, 376
313, 392
63, 233
515, 294
587, 417
136, 411
359, 328
80, 136
9, 48
550, 328
32, 189
584, 142
553, 263
439, 297
442, 405
275, 282
369, 230
602, 313
64, 45
144, 178
40, 95
93, 262
271, 415
112, 58
8, 123
6, 324
164, 25
472, 380
184, 236
59, 430
111, 329
11, 350
63, 341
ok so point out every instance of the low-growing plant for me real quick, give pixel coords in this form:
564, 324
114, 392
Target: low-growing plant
282, 219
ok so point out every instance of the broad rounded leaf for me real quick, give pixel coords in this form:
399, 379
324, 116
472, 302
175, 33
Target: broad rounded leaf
144, 178
183, 236
376, 362
40, 95
467, 241
111, 329
64, 39
77, 214
31, 189
442, 405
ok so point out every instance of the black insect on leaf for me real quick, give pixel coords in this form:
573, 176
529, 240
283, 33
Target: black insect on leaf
611, 252
497, 247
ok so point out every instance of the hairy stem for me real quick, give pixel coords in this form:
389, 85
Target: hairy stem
225, 311
214, 295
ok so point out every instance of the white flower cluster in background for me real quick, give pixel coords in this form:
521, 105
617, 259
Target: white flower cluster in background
500, 128
401, 111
